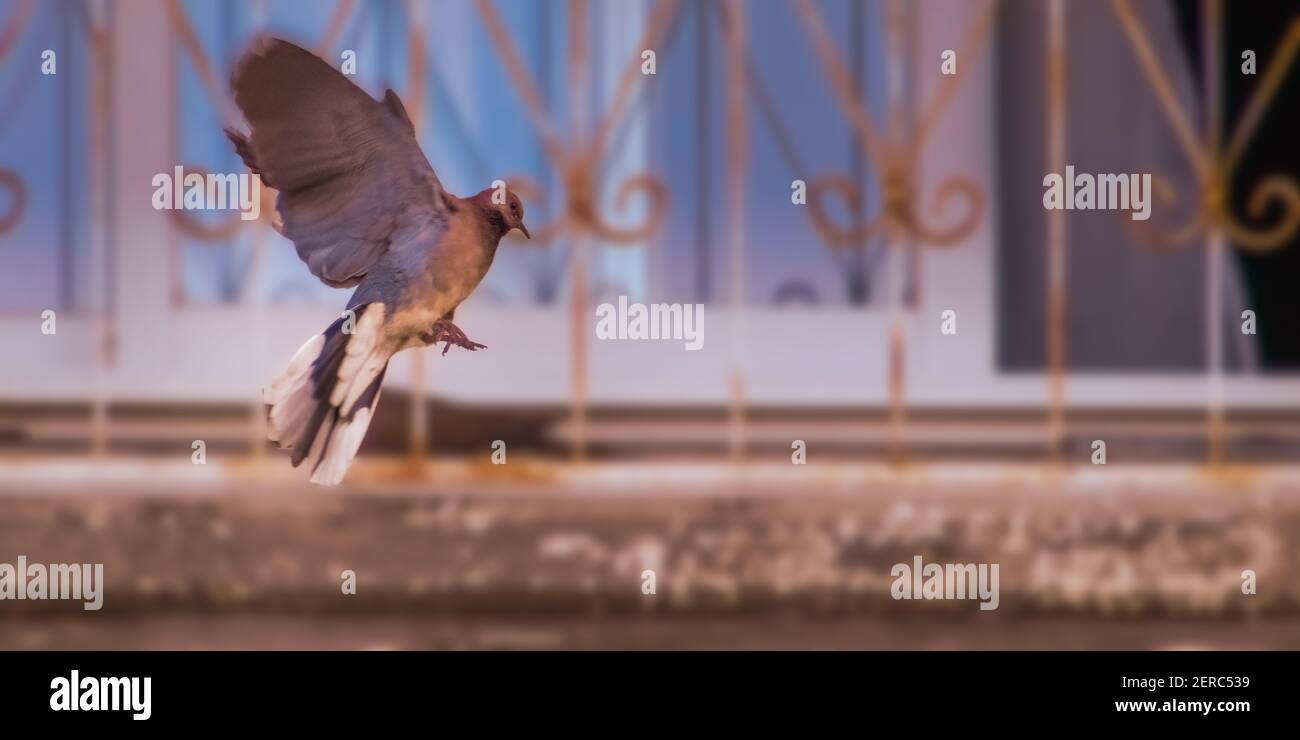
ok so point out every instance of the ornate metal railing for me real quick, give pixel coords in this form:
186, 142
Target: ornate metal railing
890, 142
577, 156
1214, 162
895, 152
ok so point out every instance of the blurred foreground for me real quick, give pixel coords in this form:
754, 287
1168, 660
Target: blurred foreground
547, 556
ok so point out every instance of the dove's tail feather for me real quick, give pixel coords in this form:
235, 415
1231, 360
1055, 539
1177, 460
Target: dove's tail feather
321, 406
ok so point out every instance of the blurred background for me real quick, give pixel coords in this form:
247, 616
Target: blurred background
822, 330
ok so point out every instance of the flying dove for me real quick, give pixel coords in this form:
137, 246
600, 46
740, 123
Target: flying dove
363, 208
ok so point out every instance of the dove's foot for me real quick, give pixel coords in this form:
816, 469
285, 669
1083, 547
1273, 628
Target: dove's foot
445, 331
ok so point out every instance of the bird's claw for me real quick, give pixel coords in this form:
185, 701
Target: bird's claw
445, 331
467, 344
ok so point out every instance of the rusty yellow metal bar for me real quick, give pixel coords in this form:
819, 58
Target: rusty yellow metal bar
578, 358
737, 170
1212, 54
1056, 233
100, 326
416, 105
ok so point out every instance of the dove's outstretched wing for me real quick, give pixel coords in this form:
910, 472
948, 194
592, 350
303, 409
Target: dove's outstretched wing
348, 167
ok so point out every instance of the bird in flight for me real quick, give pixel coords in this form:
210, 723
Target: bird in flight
364, 209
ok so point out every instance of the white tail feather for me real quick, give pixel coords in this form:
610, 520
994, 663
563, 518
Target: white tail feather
344, 441
294, 405
289, 395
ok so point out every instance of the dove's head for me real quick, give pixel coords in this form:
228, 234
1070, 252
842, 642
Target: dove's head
504, 210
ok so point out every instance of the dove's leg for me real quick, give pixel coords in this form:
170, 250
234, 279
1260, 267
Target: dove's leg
444, 330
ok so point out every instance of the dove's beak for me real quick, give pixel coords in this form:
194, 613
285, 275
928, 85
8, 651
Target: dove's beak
524, 229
